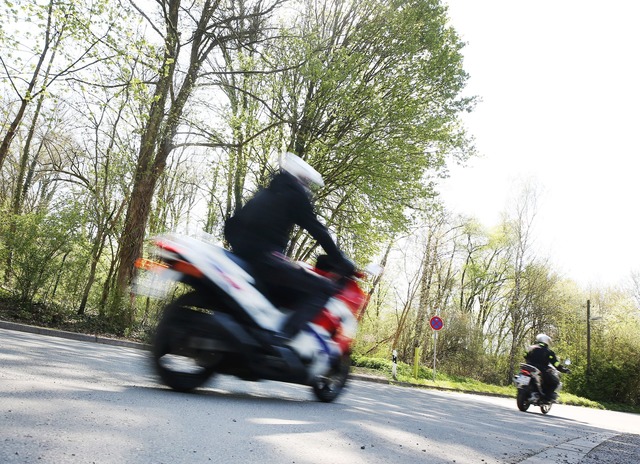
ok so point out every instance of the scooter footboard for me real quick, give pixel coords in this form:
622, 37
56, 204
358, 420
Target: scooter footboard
283, 365
236, 333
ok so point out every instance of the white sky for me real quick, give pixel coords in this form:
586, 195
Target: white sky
559, 82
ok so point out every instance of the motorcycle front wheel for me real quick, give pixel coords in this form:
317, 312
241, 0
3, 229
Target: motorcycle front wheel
522, 399
179, 364
327, 388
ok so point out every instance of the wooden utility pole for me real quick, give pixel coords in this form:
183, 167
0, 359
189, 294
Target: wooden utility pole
588, 337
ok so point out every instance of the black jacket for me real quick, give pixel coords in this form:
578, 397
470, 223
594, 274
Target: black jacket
266, 221
540, 356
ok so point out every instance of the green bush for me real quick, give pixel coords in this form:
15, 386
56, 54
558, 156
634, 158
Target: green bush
371, 363
609, 382
36, 245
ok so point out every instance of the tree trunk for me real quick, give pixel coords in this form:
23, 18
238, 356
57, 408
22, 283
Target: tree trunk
22, 185
147, 173
96, 252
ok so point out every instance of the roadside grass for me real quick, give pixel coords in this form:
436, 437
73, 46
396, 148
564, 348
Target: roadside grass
60, 317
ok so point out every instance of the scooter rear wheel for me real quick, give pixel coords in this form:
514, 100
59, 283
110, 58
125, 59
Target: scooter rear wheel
178, 365
523, 400
545, 408
328, 388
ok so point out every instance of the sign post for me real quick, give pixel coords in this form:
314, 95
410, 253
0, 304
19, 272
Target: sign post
436, 324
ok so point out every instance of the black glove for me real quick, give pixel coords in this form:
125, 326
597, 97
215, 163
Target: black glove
337, 264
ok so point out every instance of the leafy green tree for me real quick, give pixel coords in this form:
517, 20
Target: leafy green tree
374, 106
69, 38
614, 349
200, 28
634, 287
176, 196
98, 171
39, 242
68, 42
378, 117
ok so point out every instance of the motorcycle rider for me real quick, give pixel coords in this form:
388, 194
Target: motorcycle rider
542, 356
260, 231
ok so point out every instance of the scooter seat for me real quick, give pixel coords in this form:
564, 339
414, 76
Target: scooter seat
239, 261
248, 268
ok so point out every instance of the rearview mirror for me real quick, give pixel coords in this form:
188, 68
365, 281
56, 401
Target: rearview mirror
374, 270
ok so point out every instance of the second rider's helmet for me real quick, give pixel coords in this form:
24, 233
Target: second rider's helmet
542, 338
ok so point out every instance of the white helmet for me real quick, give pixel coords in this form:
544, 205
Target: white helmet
542, 338
301, 170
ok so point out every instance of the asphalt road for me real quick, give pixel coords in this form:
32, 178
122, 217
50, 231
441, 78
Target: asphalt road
70, 401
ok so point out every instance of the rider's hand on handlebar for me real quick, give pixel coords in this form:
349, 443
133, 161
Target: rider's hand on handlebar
336, 264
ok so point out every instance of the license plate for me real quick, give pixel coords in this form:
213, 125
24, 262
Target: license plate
523, 380
153, 284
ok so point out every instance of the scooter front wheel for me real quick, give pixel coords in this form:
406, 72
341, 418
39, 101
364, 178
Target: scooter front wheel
327, 388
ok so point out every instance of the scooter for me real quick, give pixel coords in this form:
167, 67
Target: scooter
220, 322
529, 384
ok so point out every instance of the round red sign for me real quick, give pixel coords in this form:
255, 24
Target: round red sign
436, 323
